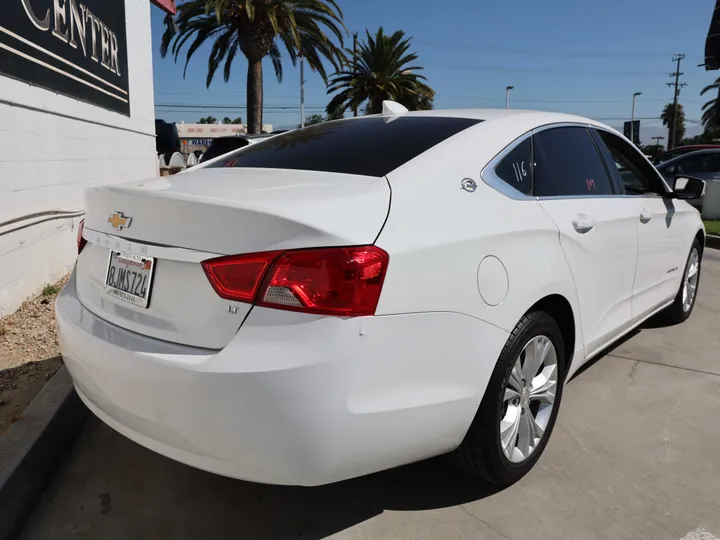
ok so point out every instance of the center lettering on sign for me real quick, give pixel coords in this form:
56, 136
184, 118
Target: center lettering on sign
74, 23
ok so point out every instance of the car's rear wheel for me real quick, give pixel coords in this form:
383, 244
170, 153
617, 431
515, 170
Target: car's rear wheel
518, 412
682, 307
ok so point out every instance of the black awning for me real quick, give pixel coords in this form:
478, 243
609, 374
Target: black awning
712, 44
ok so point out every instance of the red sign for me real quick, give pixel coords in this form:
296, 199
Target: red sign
166, 5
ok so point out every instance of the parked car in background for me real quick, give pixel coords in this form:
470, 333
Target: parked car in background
272, 317
679, 151
704, 164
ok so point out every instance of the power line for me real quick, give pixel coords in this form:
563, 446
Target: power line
560, 101
547, 71
474, 47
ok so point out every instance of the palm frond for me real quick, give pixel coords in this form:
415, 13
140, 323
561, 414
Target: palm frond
313, 28
383, 69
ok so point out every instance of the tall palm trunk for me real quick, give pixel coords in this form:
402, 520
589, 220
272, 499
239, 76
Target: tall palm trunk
255, 96
376, 102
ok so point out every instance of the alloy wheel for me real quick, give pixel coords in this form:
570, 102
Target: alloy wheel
691, 280
529, 399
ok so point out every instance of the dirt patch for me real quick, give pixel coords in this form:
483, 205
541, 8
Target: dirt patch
29, 354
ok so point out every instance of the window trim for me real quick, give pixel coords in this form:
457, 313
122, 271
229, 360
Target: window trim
489, 177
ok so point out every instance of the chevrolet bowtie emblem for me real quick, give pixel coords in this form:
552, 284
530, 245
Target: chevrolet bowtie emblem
119, 221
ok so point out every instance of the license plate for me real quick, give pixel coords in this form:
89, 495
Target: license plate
129, 277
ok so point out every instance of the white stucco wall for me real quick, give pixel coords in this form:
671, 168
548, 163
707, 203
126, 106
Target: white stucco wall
52, 147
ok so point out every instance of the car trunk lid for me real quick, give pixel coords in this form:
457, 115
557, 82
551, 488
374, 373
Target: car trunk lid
172, 224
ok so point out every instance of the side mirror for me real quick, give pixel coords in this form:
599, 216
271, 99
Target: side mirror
688, 187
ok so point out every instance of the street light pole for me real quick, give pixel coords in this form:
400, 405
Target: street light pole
657, 141
632, 120
507, 96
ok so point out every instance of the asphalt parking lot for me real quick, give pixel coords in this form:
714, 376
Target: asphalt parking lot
634, 456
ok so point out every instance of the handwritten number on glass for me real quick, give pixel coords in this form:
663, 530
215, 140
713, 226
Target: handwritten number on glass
520, 172
591, 184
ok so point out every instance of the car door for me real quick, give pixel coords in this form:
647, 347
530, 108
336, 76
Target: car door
659, 224
598, 231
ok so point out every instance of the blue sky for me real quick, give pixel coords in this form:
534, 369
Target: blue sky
560, 55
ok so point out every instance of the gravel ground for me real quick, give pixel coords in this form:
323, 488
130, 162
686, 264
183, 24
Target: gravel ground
29, 354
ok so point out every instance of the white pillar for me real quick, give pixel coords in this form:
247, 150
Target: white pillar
711, 201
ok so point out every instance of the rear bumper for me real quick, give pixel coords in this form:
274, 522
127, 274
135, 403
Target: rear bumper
293, 399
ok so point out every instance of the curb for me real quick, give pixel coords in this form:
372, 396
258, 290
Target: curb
33, 448
712, 241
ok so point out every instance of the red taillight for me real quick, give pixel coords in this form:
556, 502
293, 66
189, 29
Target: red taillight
239, 277
81, 242
342, 281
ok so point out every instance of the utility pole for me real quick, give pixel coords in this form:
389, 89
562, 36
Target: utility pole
677, 84
302, 91
632, 118
355, 36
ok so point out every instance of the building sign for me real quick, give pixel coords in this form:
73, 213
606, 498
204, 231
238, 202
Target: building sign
73, 47
197, 142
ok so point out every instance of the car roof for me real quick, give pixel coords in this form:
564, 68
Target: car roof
698, 146
689, 154
521, 119
494, 114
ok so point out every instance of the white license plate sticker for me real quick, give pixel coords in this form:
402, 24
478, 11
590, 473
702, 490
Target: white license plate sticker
129, 277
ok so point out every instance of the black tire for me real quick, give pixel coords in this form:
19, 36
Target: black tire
480, 454
675, 313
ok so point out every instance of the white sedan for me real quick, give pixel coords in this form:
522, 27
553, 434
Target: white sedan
366, 293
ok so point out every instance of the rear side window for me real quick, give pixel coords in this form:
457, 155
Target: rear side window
516, 168
371, 146
567, 163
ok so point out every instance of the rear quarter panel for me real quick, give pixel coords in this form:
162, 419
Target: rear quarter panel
437, 235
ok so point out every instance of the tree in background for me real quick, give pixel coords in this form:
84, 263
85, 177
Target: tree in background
710, 118
315, 119
208, 120
227, 120
652, 150
667, 120
256, 28
382, 70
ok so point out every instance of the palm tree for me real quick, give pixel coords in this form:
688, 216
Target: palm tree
381, 70
710, 118
667, 120
256, 28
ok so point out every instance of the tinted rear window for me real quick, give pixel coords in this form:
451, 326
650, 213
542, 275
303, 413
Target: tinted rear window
372, 146
223, 146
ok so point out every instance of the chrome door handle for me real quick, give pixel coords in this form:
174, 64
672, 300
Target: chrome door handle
645, 215
583, 224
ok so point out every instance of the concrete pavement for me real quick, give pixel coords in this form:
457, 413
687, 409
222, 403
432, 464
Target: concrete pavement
634, 456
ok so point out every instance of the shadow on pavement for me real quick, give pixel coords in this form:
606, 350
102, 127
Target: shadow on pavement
112, 488
657, 321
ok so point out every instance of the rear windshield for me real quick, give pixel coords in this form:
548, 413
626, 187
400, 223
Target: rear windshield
223, 146
371, 146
